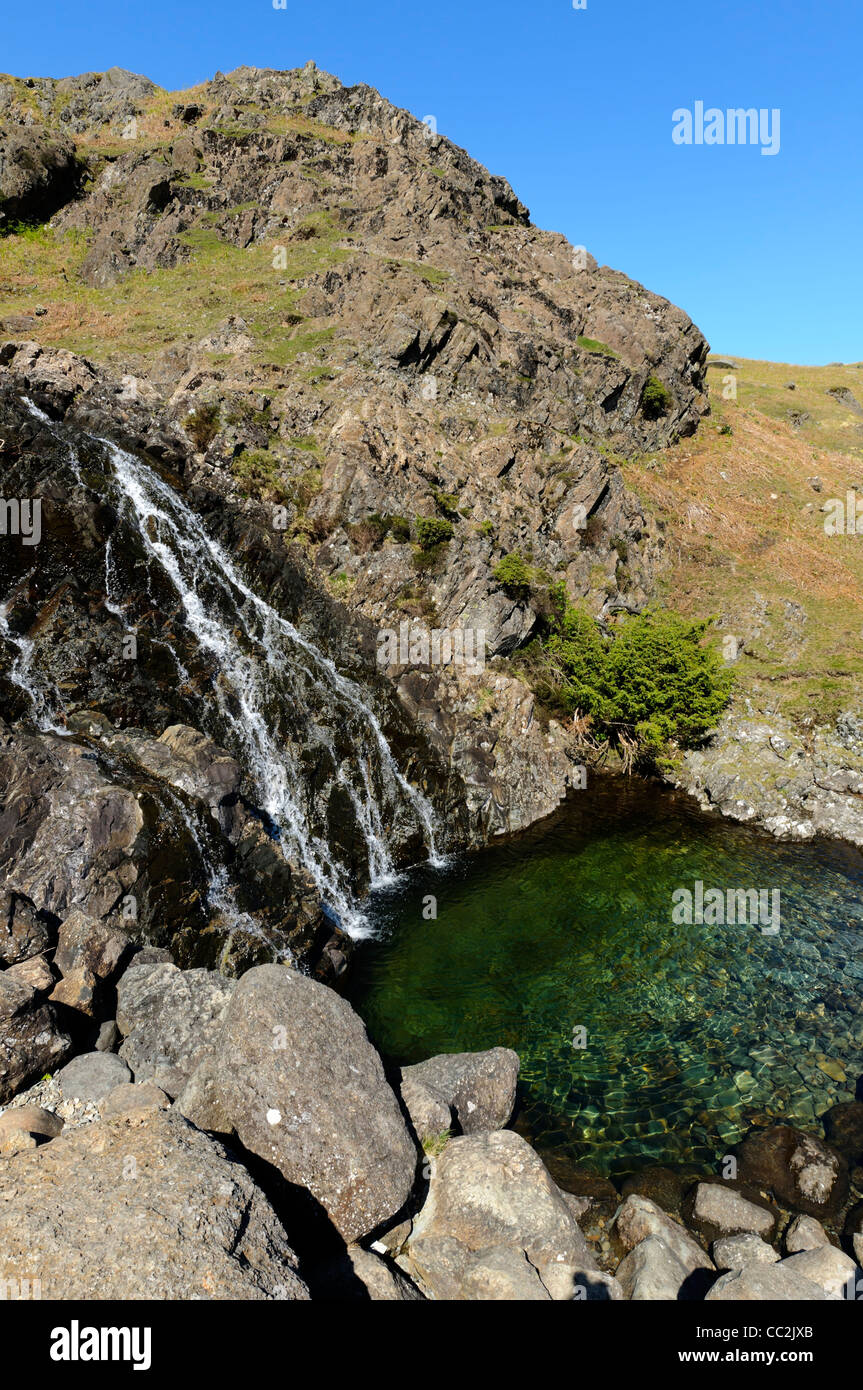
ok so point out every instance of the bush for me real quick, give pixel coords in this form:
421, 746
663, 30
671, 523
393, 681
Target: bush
202, 426
448, 503
432, 531
655, 398
514, 575
654, 681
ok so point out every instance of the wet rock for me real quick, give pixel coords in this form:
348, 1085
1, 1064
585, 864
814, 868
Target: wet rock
843, 1127
805, 1233
489, 1190
294, 1075
158, 1210
32, 1041
92, 1076
735, 1252
757, 1283
479, 1087
170, 1019
827, 1267
803, 1172
652, 1271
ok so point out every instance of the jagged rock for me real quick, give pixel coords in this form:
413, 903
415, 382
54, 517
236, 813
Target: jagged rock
92, 1076
760, 1283
34, 973
801, 1169
735, 1252
170, 1019
479, 1087
429, 1113
826, 1266
651, 1271
32, 1041
489, 1190
158, 1210
718, 1210
805, 1233
23, 933
638, 1217
85, 943
294, 1075
38, 174
107, 1037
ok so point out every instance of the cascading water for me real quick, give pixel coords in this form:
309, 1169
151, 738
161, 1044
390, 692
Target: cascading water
274, 693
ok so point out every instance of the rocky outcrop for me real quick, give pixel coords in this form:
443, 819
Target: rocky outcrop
294, 1076
119, 1210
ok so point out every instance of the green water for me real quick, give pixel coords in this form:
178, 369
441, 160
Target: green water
693, 1032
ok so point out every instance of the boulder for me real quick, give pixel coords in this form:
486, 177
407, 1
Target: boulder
757, 1283
450, 1271
170, 1019
803, 1172
735, 1252
31, 1040
479, 1087
429, 1113
23, 1126
652, 1271
294, 1075
23, 933
160, 1211
92, 1076
805, 1233
34, 973
131, 1102
86, 944
717, 1210
361, 1274
489, 1190
637, 1218
843, 1126
828, 1267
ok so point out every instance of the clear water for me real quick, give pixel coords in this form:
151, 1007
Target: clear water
694, 1033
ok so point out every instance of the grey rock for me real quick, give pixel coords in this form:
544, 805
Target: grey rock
826, 1266
158, 1211
361, 1273
296, 1078
133, 1102
734, 1252
805, 1233
478, 1086
759, 1283
718, 1210
108, 1036
429, 1113
448, 1270
170, 1019
491, 1189
638, 1217
652, 1271
92, 1076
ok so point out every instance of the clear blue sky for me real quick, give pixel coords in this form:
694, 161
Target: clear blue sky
574, 107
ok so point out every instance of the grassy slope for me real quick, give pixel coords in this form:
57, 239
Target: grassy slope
745, 531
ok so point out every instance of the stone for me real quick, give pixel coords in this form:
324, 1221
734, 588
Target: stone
735, 1252
491, 1189
448, 1270
843, 1126
170, 1019
362, 1274
805, 1233
133, 1102
802, 1171
826, 1266
108, 1036
29, 1120
479, 1087
638, 1217
294, 1075
652, 1271
23, 933
429, 1113
718, 1210
85, 943
92, 1076
32, 1042
34, 973
77, 991
757, 1283
159, 1211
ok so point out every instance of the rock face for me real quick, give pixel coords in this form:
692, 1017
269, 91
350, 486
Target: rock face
293, 1074
801, 1169
491, 1192
154, 1210
478, 1088
170, 1019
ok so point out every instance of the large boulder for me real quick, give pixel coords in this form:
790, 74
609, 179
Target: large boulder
651, 1271
170, 1019
478, 1087
92, 1076
154, 1210
32, 1041
834, 1272
756, 1283
638, 1217
802, 1171
717, 1210
294, 1076
490, 1190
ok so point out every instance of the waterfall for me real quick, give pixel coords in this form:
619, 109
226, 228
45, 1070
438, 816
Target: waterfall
274, 693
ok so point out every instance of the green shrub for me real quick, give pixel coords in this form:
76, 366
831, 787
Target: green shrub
432, 531
448, 503
655, 398
514, 575
202, 426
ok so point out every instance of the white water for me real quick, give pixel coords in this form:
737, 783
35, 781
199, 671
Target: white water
264, 666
